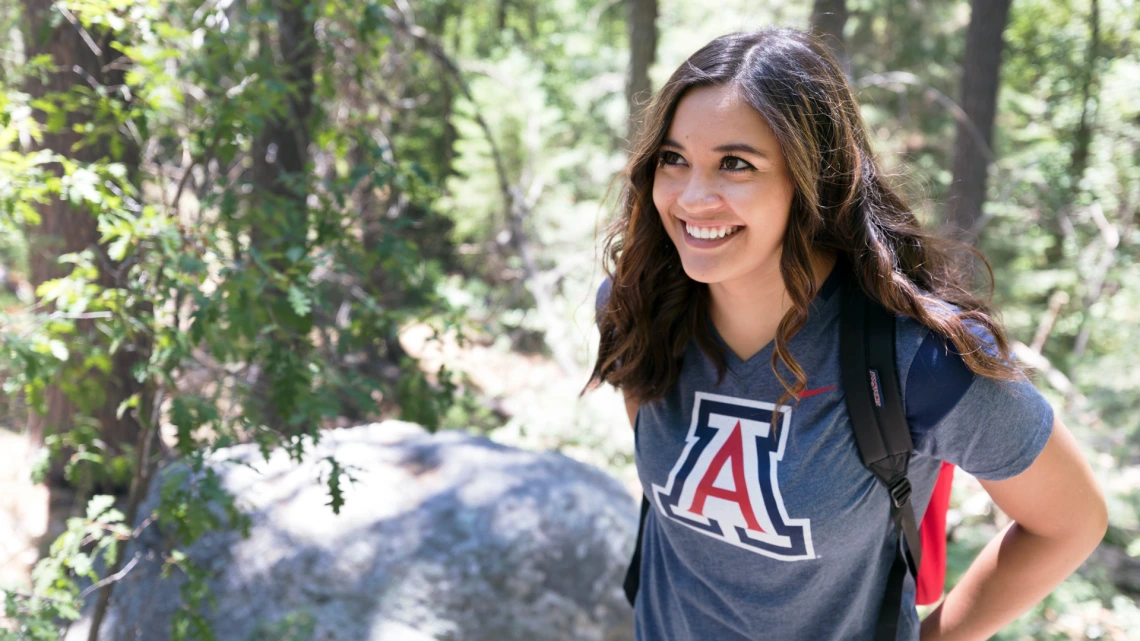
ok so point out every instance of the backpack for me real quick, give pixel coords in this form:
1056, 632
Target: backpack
874, 403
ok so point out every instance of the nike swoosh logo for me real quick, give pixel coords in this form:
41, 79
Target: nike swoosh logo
812, 392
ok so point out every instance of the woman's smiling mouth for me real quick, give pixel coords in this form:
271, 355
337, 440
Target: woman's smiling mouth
708, 236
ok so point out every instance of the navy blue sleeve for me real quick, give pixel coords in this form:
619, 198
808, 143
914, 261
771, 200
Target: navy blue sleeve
937, 380
991, 429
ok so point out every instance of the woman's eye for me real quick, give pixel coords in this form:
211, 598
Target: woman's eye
728, 163
733, 163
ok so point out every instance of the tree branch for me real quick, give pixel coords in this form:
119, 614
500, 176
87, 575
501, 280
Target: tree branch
112, 578
82, 32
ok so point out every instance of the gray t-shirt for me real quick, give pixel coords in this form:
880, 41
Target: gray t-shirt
755, 533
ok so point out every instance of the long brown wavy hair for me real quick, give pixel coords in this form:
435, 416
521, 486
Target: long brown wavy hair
842, 205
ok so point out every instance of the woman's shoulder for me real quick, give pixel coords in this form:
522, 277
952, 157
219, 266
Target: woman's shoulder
600, 300
933, 376
991, 428
914, 336
603, 294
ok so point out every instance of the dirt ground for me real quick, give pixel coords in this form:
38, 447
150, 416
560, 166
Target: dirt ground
23, 511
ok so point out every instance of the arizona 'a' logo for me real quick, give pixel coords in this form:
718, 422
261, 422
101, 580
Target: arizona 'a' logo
724, 484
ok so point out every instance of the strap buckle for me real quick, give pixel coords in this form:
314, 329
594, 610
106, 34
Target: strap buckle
900, 491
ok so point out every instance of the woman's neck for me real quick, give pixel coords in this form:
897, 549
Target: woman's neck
747, 313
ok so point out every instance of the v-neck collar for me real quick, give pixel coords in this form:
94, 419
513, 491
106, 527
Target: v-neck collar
744, 368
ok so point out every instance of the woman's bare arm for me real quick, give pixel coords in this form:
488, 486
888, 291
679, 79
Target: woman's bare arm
1059, 516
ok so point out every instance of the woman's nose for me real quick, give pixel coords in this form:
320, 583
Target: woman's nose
699, 194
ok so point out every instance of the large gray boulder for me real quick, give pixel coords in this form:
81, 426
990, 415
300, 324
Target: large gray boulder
446, 537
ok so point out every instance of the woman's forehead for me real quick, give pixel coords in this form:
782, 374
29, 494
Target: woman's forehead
717, 116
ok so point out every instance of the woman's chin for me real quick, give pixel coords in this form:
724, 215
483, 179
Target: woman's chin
702, 274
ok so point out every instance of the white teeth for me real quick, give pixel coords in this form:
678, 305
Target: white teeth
710, 232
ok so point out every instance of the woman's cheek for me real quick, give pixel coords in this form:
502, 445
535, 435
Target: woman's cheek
662, 202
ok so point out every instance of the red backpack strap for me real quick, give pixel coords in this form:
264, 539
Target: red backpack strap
932, 532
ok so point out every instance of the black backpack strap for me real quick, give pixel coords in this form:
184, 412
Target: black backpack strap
633, 573
874, 403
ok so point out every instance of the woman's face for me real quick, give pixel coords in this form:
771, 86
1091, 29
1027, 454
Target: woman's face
720, 166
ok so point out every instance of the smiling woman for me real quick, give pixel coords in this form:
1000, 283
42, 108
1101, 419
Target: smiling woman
760, 131
752, 197
721, 168
704, 200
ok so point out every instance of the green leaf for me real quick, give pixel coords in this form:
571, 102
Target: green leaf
98, 505
117, 250
1134, 548
58, 349
299, 301
83, 185
131, 401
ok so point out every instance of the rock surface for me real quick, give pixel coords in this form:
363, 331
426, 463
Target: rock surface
445, 537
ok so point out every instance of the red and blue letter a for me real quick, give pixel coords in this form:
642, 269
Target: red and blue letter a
723, 483
732, 454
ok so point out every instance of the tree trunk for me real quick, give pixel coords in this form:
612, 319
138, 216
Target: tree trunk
1082, 140
1083, 136
642, 27
828, 18
501, 15
980, 72
66, 228
280, 150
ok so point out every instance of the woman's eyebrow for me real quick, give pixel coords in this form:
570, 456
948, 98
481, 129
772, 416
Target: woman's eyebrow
735, 146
